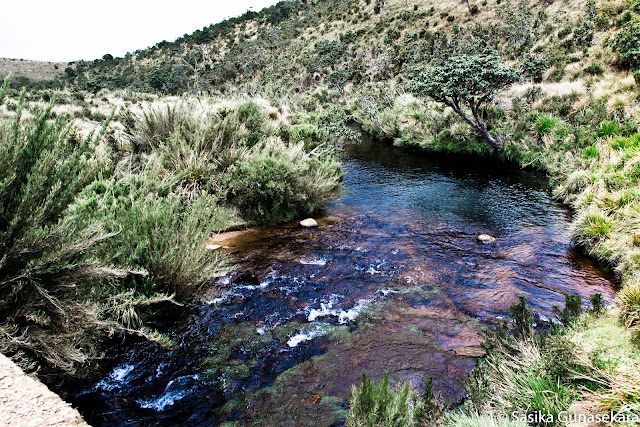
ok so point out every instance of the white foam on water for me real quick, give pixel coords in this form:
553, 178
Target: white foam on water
325, 310
262, 285
313, 261
351, 314
344, 316
116, 378
295, 340
169, 397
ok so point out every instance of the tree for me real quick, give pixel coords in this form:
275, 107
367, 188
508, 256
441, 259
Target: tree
466, 83
626, 43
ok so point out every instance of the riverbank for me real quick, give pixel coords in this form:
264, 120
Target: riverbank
592, 157
26, 402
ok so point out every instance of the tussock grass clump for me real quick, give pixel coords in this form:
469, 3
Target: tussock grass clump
629, 298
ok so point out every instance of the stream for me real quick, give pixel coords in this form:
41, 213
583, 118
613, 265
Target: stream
394, 280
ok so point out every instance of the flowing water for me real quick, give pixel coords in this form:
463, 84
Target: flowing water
394, 280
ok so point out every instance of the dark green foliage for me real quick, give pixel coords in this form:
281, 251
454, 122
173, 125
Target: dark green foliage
533, 67
572, 309
467, 82
626, 44
252, 117
339, 79
593, 70
306, 133
522, 318
597, 304
329, 53
583, 34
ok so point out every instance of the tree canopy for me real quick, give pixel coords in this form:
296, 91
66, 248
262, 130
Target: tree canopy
466, 83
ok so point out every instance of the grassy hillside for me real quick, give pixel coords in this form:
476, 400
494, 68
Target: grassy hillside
26, 72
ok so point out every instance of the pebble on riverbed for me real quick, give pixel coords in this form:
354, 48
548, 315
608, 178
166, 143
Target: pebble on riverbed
485, 238
309, 222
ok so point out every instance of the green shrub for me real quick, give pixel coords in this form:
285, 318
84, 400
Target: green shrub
252, 117
593, 70
379, 404
48, 322
274, 183
597, 304
158, 232
572, 309
306, 133
626, 43
522, 317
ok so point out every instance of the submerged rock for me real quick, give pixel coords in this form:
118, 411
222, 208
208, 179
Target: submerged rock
309, 222
246, 277
485, 238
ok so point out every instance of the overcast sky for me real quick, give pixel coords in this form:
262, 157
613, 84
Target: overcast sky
67, 30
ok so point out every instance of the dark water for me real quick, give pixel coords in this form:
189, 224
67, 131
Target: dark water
393, 281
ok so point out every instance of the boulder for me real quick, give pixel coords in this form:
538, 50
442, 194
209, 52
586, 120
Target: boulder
309, 222
485, 238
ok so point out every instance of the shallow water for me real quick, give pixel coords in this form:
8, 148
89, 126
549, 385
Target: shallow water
393, 281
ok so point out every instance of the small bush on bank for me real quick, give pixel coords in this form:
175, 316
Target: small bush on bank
273, 183
380, 404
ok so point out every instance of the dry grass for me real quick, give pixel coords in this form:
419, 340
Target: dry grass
33, 70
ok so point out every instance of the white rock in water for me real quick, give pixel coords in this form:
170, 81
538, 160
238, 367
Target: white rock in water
213, 247
485, 238
309, 222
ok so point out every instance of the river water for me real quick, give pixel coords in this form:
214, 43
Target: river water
393, 281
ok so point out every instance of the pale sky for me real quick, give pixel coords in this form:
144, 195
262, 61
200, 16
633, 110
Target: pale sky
68, 30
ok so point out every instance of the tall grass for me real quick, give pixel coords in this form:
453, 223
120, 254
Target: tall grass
44, 275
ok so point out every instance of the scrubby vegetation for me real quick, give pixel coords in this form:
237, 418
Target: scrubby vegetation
102, 232
560, 94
